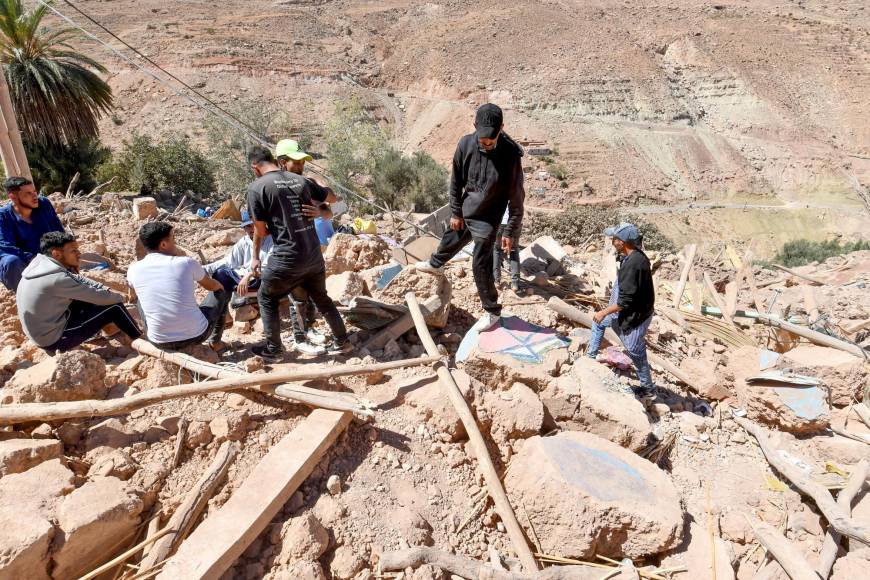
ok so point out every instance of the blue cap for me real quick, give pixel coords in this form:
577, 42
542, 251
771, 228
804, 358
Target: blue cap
625, 231
246, 219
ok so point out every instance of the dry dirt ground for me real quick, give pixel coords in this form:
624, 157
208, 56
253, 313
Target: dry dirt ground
409, 478
757, 109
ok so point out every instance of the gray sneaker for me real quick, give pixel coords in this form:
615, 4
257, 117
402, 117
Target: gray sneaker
315, 337
426, 266
306, 347
645, 393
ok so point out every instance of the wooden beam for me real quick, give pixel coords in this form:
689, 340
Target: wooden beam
403, 324
814, 336
718, 300
835, 515
810, 303
697, 292
478, 444
217, 543
809, 279
194, 503
831, 545
788, 556
690, 251
26, 412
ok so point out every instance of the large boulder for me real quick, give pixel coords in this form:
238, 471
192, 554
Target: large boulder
344, 287
25, 538
513, 414
144, 208
500, 371
76, 375
584, 495
843, 373
601, 405
18, 455
92, 520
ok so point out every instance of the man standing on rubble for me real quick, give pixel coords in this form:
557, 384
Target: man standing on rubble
486, 179
631, 305
281, 203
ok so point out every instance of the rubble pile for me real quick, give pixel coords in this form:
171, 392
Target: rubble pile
589, 470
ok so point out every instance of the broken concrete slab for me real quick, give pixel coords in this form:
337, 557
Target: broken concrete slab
76, 375
498, 371
39, 489
842, 373
344, 287
584, 495
18, 455
605, 407
93, 520
790, 408
709, 383
513, 414
544, 254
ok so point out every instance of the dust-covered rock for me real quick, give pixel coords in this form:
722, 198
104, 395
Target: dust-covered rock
91, 520
434, 408
25, 538
852, 566
587, 496
349, 253
497, 371
345, 563
344, 287
710, 384
302, 538
76, 375
18, 455
604, 407
843, 373
514, 414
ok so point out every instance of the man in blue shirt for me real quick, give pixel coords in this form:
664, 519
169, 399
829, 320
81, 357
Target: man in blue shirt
23, 221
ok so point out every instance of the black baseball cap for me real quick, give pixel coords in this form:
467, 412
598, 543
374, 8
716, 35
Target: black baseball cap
488, 121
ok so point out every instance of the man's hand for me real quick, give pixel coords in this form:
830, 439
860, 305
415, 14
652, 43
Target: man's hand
310, 211
243, 284
255, 267
507, 245
599, 316
457, 224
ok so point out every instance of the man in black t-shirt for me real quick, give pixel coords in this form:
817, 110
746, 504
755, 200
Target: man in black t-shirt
281, 204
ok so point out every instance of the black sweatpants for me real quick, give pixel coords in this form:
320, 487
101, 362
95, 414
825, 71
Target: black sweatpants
481, 261
86, 319
278, 283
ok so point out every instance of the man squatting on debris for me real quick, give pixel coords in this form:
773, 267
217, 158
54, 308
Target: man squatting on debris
58, 308
486, 179
631, 305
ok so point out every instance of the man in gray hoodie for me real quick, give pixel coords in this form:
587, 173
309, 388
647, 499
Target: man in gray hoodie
58, 308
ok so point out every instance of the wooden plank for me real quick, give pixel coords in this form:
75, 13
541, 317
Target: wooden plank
810, 303
809, 279
690, 251
697, 292
731, 289
711, 288
219, 541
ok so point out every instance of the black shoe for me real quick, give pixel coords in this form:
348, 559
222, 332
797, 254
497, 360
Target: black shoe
339, 347
515, 286
268, 354
645, 393
239, 301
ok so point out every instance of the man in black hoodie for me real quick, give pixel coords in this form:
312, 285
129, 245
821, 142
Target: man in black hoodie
486, 179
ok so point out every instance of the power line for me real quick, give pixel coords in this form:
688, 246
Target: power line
220, 113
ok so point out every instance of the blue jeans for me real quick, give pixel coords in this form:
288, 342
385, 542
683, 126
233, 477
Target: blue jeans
230, 280
11, 268
634, 342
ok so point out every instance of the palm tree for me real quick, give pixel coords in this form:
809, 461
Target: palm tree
57, 95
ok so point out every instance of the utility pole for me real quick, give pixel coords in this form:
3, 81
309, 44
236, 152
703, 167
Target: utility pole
11, 146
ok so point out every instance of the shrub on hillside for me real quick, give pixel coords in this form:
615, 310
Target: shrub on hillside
414, 183
54, 165
801, 252
579, 223
174, 164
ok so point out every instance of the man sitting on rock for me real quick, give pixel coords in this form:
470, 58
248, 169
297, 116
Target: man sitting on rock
233, 271
58, 308
22, 224
164, 283
631, 305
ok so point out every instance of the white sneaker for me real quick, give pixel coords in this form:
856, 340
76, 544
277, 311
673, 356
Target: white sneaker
307, 348
485, 321
315, 337
427, 267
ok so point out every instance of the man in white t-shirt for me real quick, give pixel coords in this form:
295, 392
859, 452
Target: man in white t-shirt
165, 285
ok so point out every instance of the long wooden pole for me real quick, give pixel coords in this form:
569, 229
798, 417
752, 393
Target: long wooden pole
791, 560
126, 555
835, 515
577, 315
188, 512
831, 545
11, 146
815, 337
70, 409
711, 288
478, 444
691, 249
